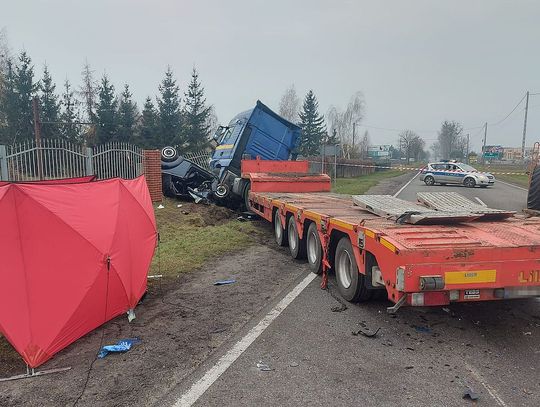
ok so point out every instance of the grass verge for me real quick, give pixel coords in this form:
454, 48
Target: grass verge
359, 185
193, 234
522, 179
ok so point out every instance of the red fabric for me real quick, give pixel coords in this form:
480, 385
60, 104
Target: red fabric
56, 283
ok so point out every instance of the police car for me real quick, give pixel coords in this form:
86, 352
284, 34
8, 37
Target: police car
450, 172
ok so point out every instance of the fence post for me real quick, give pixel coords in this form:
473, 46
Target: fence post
3, 163
89, 161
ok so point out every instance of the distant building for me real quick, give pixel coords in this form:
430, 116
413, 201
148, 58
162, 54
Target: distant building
514, 153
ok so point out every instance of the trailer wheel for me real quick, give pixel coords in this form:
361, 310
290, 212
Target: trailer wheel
350, 282
279, 232
533, 197
245, 195
297, 246
314, 249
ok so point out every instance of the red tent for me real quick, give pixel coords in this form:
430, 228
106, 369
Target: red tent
73, 256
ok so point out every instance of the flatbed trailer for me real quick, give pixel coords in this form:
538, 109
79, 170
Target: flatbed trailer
415, 265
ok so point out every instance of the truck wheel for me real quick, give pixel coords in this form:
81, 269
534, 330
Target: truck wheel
350, 282
429, 180
533, 197
469, 182
314, 249
279, 232
245, 195
297, 246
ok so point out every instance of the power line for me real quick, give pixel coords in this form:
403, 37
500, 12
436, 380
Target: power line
512, 111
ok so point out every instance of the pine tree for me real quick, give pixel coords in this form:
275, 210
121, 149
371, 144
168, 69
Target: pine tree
106, 117
312, 124
68, 117
25, 89
170, 118
127, 117
195, 115
9, 106
149, 129
50, 107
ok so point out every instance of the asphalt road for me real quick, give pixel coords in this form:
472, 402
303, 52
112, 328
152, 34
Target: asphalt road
420, 357
499, 196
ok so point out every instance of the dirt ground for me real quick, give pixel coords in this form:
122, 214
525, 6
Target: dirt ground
181, 322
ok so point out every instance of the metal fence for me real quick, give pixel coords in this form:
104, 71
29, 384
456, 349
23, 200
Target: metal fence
53, 159
201, 158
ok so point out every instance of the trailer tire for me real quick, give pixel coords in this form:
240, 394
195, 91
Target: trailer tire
297, 246
351, 284
314, 249
279, 232
533, 197
245, 195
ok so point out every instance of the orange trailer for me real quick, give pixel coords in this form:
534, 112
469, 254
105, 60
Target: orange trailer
416, 265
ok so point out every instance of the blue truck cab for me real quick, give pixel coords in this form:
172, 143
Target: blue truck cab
258, 132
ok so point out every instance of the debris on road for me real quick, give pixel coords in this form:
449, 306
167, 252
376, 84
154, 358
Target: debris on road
293, 364
179, 205
121, 346
263, 367
527, 333
225, 282
366, 332
422, 329
160, 206
470, 394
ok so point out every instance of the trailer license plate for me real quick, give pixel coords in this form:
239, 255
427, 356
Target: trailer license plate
471, 294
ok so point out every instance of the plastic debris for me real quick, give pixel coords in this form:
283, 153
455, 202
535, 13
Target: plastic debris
121, 346
527, 333
130, 315
366, 332
225, 282
423, 329
470, 394
179, 205
446, 310
263, 367
160, 206
293, 364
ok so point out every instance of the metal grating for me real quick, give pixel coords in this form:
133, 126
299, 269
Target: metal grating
407, 212
452, 202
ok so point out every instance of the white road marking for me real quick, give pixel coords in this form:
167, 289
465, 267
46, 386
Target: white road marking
212, 374
512, 185
406, 185
489, 389
480, 201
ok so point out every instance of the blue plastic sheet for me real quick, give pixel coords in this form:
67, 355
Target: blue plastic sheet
123, 345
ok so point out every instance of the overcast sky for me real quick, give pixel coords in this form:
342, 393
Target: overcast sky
417, 62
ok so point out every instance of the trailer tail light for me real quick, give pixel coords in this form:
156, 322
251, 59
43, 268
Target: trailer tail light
429, 298
516, 292
431, 283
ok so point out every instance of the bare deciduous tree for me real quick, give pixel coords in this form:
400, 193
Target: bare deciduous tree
212, 121
88, 92
411, 145
449, 136
342, 122
289, 106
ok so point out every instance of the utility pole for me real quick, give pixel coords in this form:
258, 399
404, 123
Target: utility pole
484, 146
37, 134
525, 127
468, 141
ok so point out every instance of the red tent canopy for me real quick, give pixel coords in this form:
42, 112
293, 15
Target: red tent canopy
72, 256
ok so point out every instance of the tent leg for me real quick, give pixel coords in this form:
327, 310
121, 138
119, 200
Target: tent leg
32, 373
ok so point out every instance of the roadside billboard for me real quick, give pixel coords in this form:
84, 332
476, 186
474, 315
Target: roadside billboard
379, 151
492, 152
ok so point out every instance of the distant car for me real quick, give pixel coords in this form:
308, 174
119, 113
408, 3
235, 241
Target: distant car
447, 172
